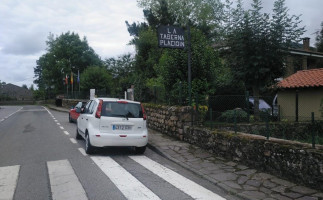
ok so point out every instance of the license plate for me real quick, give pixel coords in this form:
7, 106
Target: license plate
121, 127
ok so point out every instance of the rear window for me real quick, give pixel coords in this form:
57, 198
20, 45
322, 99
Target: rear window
115, 109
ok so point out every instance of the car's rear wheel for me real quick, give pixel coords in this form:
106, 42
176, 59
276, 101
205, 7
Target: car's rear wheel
70, 118
140, 150
89, 149
78, 136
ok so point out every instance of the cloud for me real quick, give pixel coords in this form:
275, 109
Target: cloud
25, 44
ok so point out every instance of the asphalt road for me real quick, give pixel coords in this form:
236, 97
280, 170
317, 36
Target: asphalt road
40, 159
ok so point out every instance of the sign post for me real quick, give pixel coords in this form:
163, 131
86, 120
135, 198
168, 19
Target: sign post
173, 37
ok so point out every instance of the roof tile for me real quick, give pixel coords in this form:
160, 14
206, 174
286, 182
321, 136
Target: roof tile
303, 79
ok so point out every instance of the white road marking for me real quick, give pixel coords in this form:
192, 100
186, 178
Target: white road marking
189, 187
82, 151
64, 182
73, 140
61, 127
56, 120
66, 133
8, 181
58, 124
127, 184
11, 114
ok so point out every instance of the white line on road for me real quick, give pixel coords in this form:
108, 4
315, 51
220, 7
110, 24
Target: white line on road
73, 140
58, 124
189, 187
64, 182
127, 184
66, 133
10, 114
8, 181
61, 127
56, 120
82, 151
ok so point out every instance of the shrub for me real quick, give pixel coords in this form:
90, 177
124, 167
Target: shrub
228, 116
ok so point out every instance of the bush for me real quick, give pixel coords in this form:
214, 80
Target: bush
228, 116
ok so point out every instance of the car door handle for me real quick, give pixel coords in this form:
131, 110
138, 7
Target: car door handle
87, 119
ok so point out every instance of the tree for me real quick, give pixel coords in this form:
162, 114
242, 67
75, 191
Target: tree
65, 54
205, 14
96, 77
165, 68
122, 71
31, 88
172, 68
319, 39
258, 44
25, 86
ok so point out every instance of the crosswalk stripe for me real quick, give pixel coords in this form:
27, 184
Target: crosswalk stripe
66, 133
82, 151
64, 182
189, 187
127, 184
73, 140
8, 181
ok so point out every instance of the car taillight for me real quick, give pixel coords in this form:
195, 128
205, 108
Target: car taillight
98, 111
143, 112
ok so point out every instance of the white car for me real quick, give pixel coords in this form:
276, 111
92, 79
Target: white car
112, 122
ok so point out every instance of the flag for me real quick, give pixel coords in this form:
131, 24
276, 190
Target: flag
71, 78
78, 76
66, 80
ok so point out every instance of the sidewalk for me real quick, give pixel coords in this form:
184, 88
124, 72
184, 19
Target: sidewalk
233, 177
236, 179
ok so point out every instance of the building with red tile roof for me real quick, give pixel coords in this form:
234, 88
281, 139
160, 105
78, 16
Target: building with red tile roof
300, 94
303, 79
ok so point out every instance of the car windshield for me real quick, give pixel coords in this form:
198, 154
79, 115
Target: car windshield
115, 109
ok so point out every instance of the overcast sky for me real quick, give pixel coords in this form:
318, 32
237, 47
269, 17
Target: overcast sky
25, 25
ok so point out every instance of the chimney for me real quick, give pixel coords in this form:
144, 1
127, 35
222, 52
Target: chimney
306, 44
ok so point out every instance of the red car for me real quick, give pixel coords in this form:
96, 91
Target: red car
73, 115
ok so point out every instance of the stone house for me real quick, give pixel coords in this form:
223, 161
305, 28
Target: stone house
300, 94
15, 92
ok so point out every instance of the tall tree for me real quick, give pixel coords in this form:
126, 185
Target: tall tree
206, 14
258, 44
65, 54
319, 39
96, 77
122, 71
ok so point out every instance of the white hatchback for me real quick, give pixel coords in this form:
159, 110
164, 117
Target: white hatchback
112, 122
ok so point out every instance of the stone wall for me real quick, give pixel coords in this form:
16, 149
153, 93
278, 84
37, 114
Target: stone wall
168, 120
295, 161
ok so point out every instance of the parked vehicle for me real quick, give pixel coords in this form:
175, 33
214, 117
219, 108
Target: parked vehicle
275, 107
112, 122
73, 115
263, 105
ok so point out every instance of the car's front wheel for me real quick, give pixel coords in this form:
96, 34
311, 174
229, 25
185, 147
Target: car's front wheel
70, 118
140, 150
89, 149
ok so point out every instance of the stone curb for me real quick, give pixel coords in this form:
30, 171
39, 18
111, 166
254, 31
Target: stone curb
222, 186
